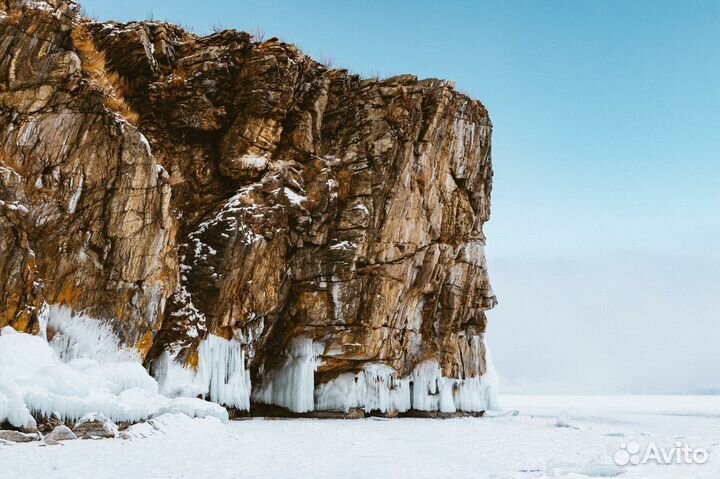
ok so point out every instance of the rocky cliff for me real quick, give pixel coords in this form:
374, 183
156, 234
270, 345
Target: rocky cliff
261, 228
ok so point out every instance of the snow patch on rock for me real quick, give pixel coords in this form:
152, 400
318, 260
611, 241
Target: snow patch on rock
72, 204
293, 197
253, 162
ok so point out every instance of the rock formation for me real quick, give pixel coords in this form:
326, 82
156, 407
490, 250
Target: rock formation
261, 228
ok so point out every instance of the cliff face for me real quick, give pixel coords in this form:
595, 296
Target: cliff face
294, 234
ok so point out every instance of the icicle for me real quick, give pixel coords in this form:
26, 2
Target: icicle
43, 320
425, 396
221, 368
342, 393
292, 384
176, 380
491, 383
80, 336
378, 388
221, 375
94, 378
375, 388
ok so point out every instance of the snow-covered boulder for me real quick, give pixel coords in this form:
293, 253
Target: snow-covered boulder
95, 426
194, 407
60, 433
175, 424
17, 436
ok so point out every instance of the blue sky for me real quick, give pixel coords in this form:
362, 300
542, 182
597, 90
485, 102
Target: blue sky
605, 234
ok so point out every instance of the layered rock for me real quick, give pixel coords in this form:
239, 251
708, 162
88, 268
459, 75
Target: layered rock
86, 216
253, 222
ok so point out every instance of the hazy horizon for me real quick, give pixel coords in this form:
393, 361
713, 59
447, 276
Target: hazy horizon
603, 240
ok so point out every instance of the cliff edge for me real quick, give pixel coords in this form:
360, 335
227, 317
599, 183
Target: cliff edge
262, 229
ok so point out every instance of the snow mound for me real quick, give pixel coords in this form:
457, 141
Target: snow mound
36, 381
591, 469
194, 407
563, 420
173, 424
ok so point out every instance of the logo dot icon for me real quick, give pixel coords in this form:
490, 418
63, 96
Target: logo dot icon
633, 447
627, 454
621, 458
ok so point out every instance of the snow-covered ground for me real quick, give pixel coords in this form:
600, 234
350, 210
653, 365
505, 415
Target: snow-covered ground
552, 436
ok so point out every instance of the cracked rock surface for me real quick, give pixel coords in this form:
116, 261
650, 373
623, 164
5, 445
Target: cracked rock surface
259, 197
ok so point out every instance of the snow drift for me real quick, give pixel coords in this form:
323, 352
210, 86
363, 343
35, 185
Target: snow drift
80, 371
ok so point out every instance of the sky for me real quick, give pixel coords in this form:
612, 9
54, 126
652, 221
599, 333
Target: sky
604, 241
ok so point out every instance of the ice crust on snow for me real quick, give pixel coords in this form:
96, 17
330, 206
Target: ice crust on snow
74, 376
591, 469
510, 447
221, 375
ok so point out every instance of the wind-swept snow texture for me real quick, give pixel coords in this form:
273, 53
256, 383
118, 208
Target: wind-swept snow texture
526, 446
80, 371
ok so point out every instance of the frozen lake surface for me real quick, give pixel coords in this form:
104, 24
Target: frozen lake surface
552, 436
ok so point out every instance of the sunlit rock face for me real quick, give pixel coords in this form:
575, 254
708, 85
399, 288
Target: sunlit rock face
193, 190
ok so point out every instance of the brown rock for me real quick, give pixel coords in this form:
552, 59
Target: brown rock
17, 436
95, 426
60, 433
262, 197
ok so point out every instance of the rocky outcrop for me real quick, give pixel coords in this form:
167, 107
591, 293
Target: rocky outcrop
85, 216
253, 222
94, 426
17, 436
